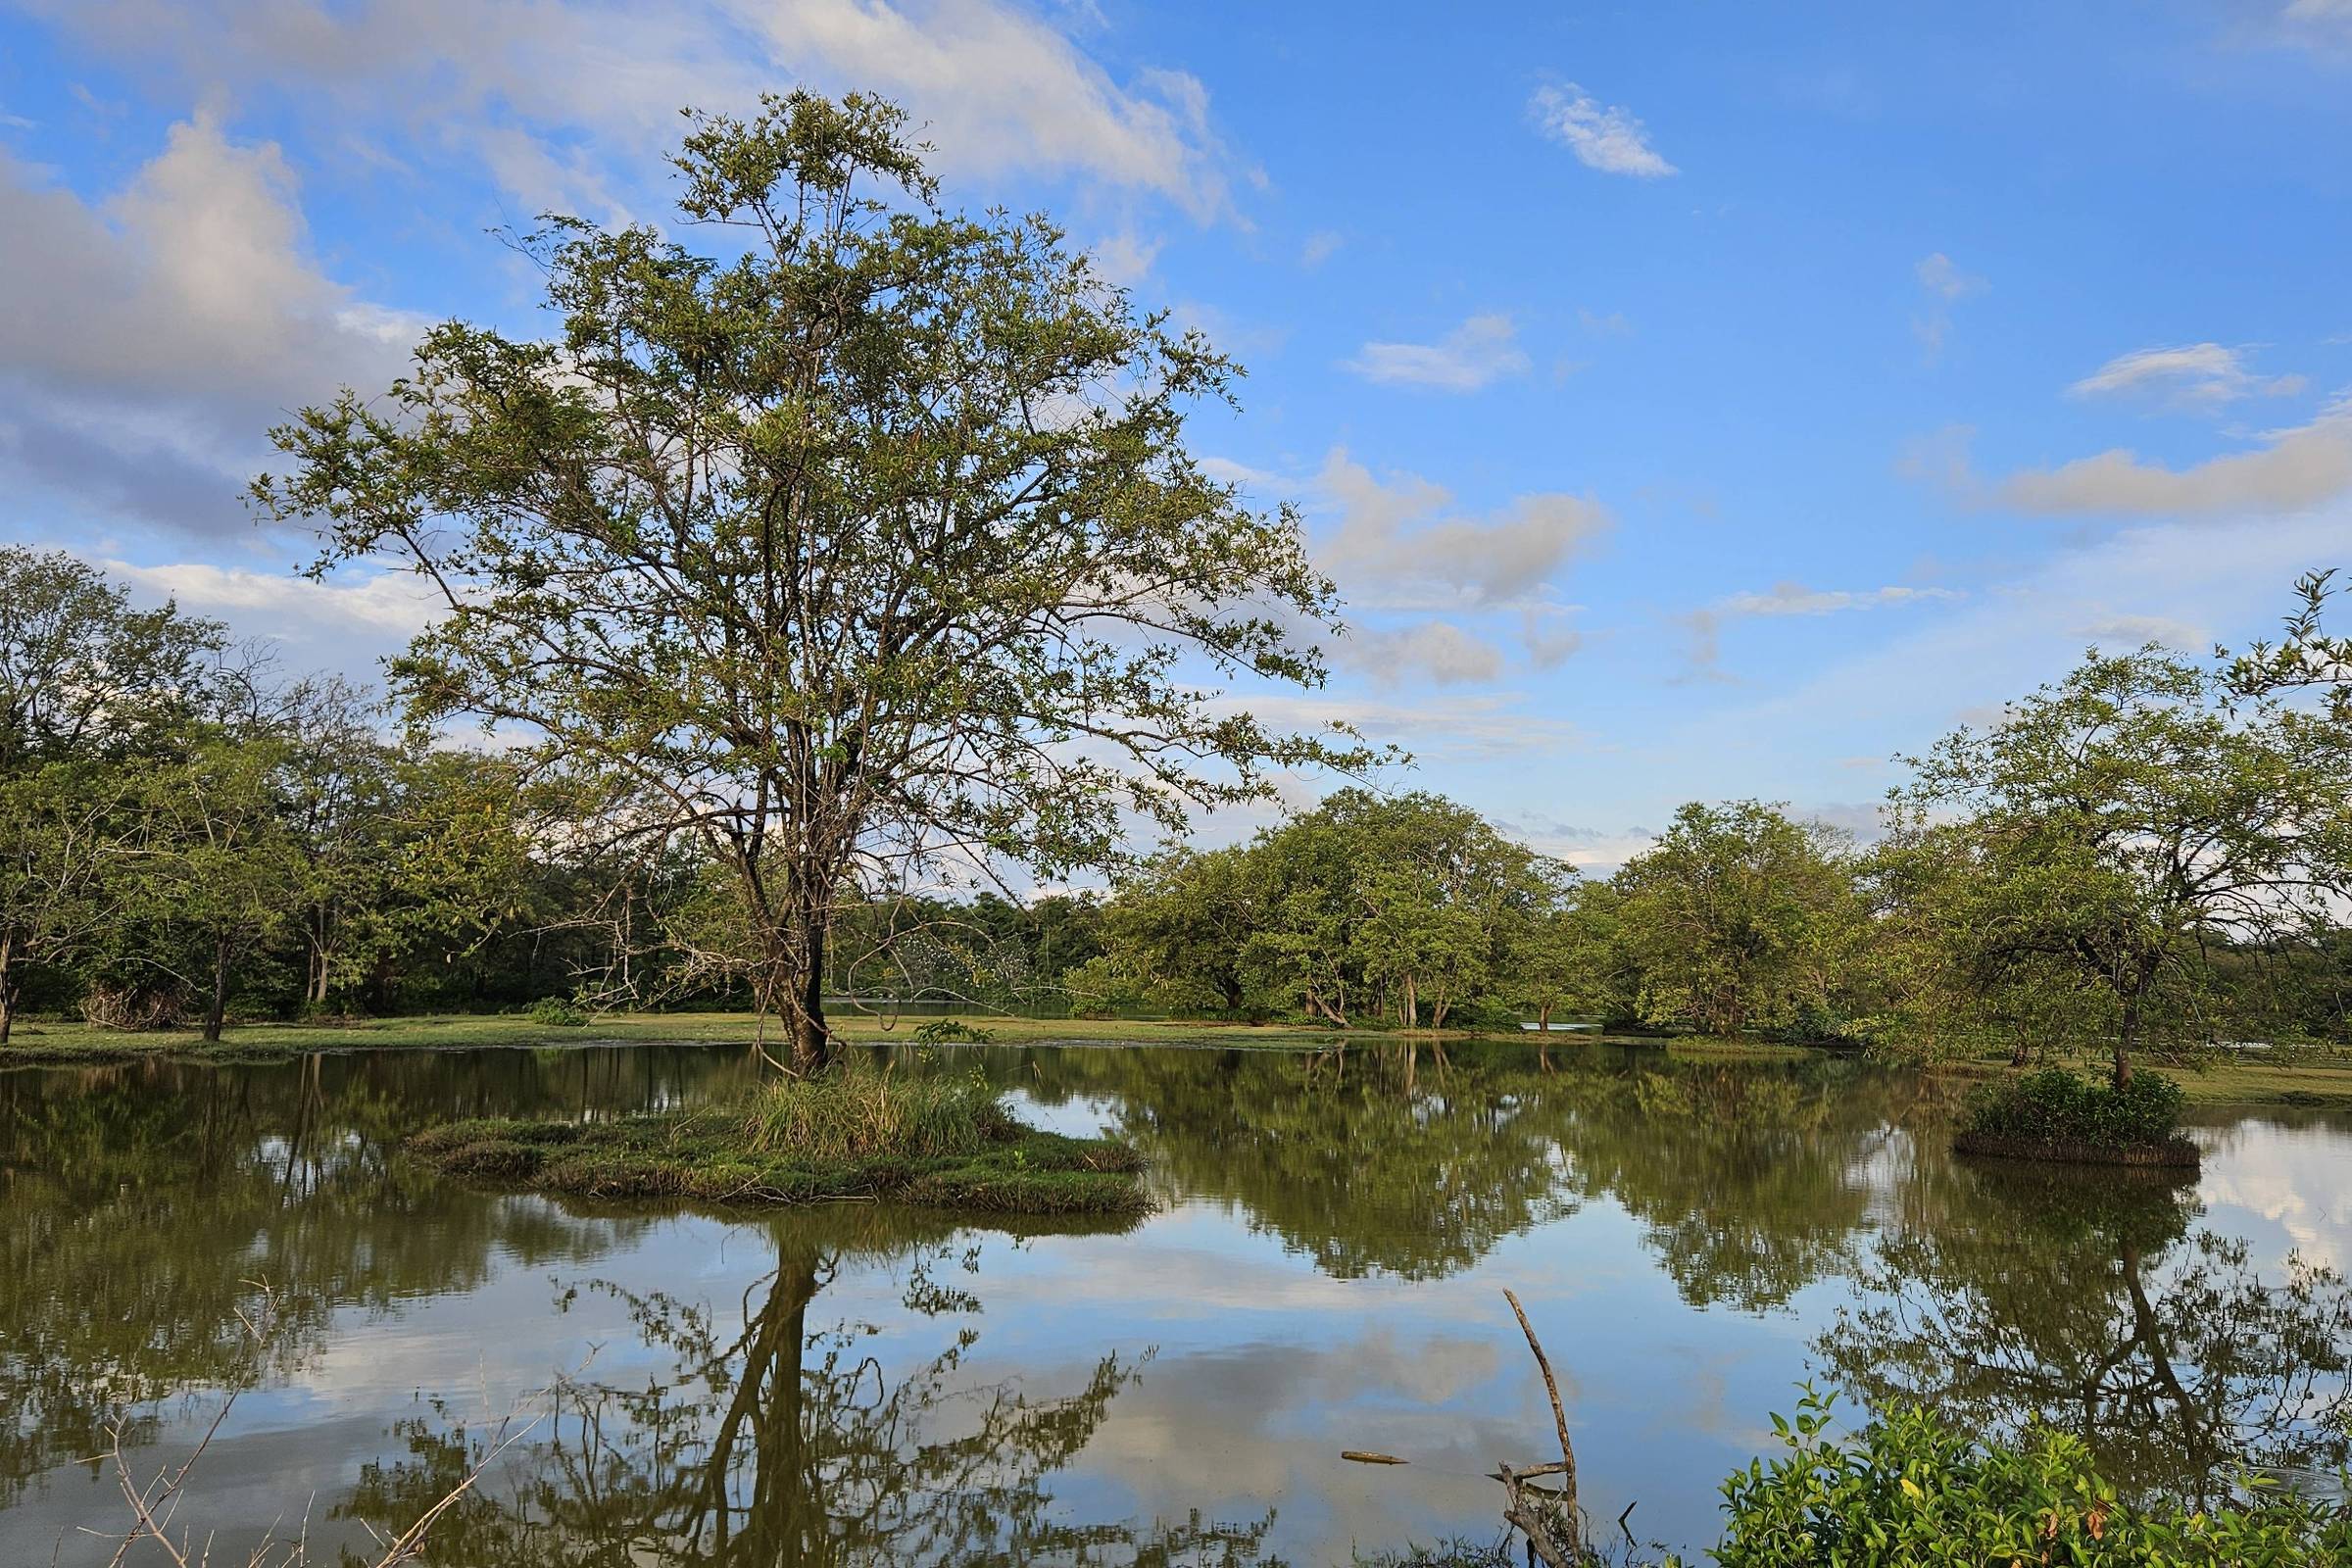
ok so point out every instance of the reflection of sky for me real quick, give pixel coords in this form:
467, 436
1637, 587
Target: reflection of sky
1261, 1367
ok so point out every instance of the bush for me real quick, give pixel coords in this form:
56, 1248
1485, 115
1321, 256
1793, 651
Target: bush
2054, 1106
952, 1032
856, 1113
557, 1013
1910, 1489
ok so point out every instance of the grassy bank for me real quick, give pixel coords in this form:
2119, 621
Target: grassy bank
856, 1133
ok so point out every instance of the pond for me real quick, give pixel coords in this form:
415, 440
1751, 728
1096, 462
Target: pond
655, 1384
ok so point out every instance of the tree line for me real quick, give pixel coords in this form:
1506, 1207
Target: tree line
867, 557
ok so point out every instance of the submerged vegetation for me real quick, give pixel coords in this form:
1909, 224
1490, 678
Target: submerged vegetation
934, 1141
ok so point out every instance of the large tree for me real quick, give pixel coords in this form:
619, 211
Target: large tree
874, 548
1739, 917
2135, 815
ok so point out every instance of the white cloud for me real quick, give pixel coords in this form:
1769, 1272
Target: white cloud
1603, 136
1125, 257
567, 101
176, 322
388, 601
1944, 285
1436, 651
1397, 546
2194, 374
1481, 350
1320, 247
2294, 470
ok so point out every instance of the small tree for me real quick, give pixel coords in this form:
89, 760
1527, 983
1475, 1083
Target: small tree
877, 546
2138, 811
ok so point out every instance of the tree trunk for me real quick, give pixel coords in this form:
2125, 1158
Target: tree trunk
1413, 1005
2127, 1033
813, 1046
1543, 1019
218, 1010
10, 985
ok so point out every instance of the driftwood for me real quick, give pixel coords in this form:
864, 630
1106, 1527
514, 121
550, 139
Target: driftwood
1362, 1456
1547, 1515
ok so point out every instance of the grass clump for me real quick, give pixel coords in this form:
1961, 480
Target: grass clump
2056, 1115
934, 1141
557, 1013
858, 1112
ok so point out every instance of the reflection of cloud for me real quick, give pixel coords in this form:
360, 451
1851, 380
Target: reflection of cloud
2290, 1176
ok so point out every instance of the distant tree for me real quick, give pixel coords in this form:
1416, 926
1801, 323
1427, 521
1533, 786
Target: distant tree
2135, 814
86, 683
213, 861
1738, 918
1181, 925
1571, 958
876, 548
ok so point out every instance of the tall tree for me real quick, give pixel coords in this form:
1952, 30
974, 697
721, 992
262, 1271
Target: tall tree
877, 547
2138, 812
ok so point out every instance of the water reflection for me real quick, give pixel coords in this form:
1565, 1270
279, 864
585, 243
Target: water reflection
2096, 1303
859, 1384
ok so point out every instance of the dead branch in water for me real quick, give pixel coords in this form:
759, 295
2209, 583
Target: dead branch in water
1541, 1513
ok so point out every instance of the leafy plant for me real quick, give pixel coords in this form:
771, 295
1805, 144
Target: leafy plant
1910, 1489
2055, 1105
557, 1013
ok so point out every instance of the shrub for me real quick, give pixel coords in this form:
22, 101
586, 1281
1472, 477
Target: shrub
952, 1032
557, 1013
856, 1113
2056, 1106
1911, 1490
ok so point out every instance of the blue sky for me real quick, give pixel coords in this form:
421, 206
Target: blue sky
1691, 402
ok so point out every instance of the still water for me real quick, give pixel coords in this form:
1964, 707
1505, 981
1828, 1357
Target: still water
658, 1385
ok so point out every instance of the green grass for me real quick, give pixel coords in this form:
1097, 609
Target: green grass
51, 1040
936, 1142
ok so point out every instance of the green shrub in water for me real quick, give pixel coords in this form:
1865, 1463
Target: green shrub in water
856, 1111
1910, 1490
2058, 1109
557, 1013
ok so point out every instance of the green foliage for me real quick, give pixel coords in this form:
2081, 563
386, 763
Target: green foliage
1910, 1489
2060, 1106
1739, 918
558, 1012
2125, 824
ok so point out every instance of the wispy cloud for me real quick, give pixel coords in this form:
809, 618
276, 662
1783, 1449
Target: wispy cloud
1706, 625
2193, 375
1946, 286
1481, 350
1603, 136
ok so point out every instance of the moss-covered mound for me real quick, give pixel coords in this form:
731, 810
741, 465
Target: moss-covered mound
940, 1143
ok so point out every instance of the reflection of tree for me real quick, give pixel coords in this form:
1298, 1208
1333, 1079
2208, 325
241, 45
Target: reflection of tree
1750, 1182
1749, 1179
146, 1204
784, 1443
2015, 1295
